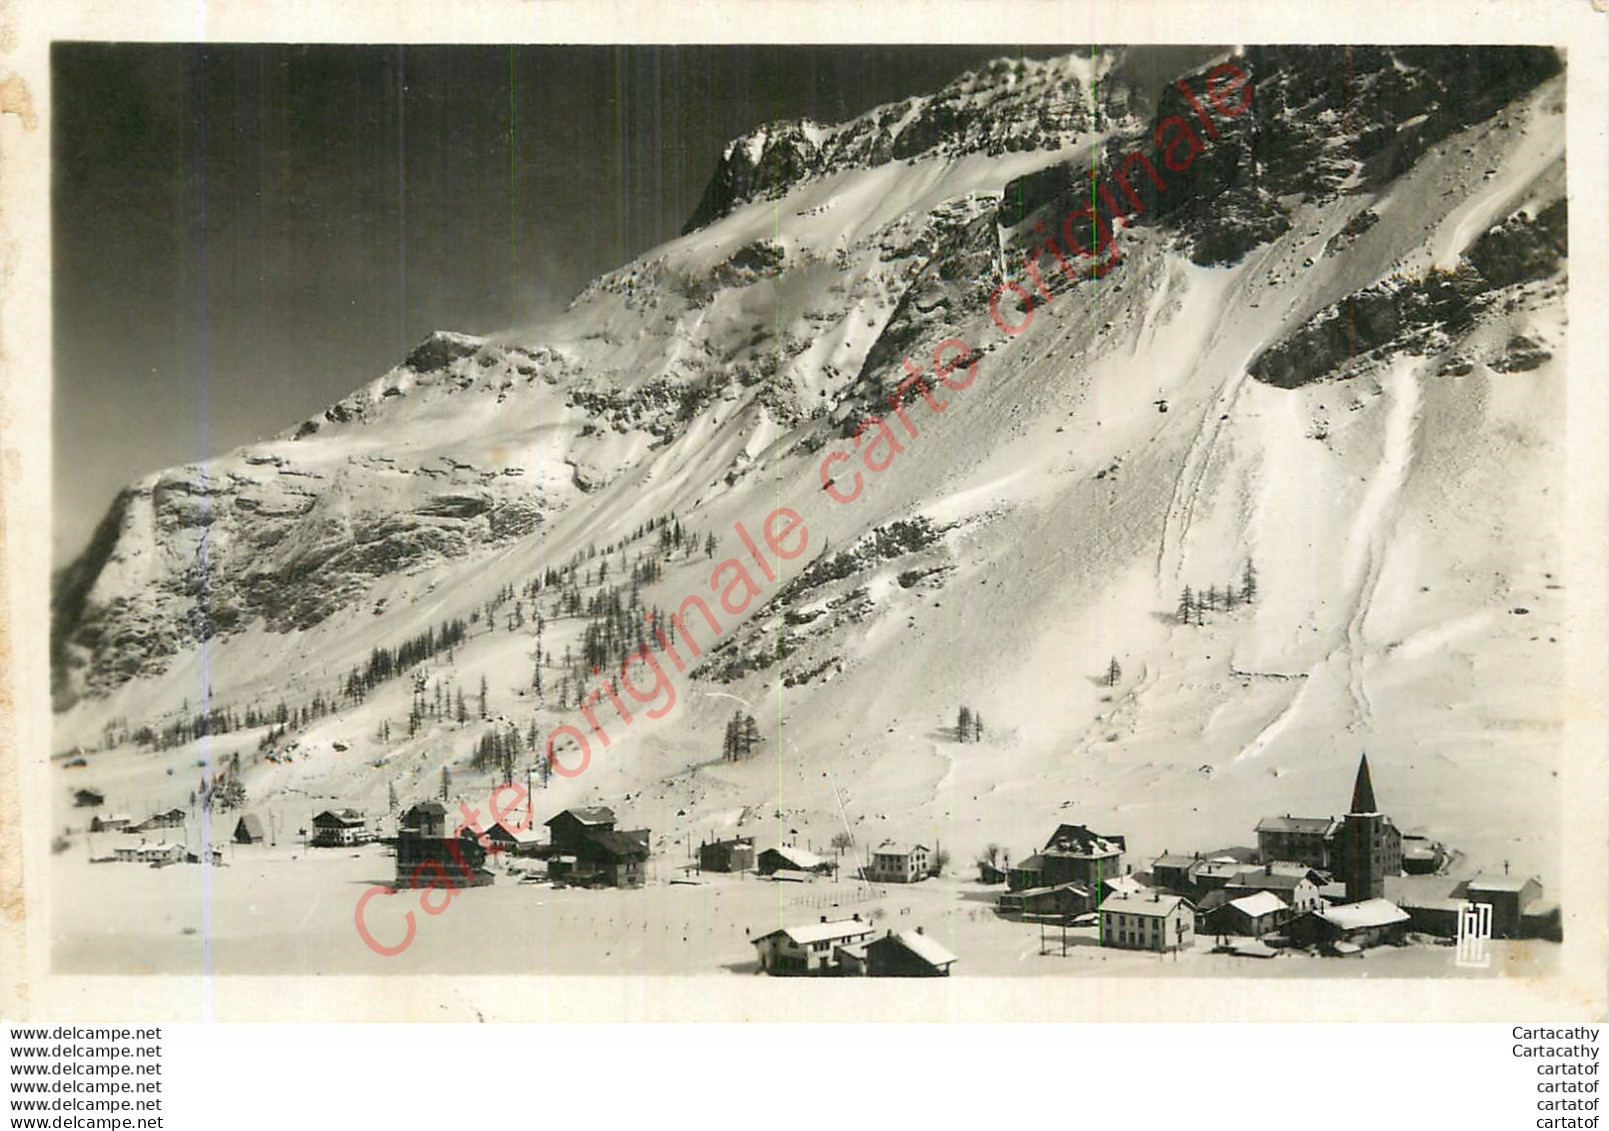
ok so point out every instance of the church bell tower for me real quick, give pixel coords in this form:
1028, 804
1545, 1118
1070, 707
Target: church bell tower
1365, 841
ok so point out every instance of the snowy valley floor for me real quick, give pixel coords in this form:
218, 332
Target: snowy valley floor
289, 911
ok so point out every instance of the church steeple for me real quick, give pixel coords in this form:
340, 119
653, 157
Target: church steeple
1363, 790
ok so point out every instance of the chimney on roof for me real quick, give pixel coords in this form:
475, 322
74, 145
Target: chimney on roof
919, 930
1505, 867
823, 918
857, 916
1268, 868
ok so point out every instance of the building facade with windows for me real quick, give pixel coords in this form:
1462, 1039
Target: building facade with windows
1159, 922
733, 855
894, 863
339, 828
809, 948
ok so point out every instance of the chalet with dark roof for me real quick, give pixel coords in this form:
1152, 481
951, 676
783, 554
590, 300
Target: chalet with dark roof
735, 854
568, 830
428, 856
427, 819
511, 839
166, 819
1175, 873
585, 849
1073, 854
339, 828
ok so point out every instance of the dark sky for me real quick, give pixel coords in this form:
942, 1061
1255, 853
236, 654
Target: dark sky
244, 234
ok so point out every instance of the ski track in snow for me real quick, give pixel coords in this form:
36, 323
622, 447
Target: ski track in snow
1376, 516
1279, 724
1198, 458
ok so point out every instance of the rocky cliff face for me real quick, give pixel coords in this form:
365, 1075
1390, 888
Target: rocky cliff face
1010, 106
1321, 122
286, 532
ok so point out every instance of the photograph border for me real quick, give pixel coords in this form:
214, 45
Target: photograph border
1579, 990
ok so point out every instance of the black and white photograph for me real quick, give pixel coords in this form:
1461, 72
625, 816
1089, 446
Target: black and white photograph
1054, 516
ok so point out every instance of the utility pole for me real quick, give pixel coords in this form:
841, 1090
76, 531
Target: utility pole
860, 871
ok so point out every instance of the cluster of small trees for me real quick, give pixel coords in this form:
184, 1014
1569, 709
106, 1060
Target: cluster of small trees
271, 736
1194, 604
224, 790
501, 747
384, 663
219, 720
969, 725
444, 704
742, 737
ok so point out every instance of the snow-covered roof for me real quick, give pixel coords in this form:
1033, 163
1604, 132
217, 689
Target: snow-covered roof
1126, 884
1261, 878
589, 815
1368, 913
1071, 885
1082, 842
1156, 904
1499, 883
1257, 905
1289, 824
924, 947
896, 848
807, 933
801, 859
338, 818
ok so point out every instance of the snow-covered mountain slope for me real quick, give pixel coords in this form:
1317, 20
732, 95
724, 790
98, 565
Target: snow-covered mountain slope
1332, 346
